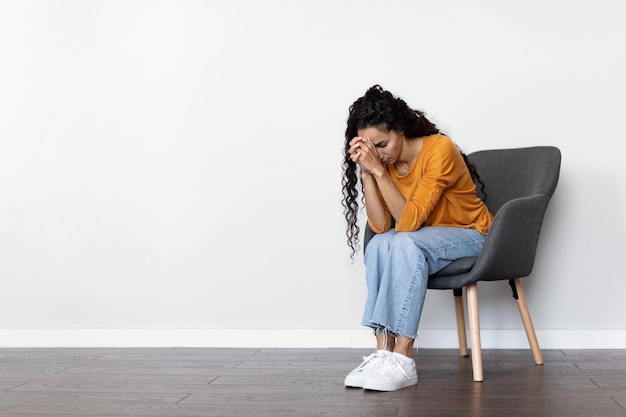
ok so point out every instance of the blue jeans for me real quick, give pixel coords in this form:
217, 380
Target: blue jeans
397, 266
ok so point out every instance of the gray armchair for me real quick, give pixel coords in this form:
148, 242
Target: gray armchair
518, 185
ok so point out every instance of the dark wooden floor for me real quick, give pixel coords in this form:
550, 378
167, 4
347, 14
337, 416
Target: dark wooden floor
303, 382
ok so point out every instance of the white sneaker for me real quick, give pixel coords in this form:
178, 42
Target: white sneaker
391, 375
370, 363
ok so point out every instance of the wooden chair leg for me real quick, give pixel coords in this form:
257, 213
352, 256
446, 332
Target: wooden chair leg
474, 326
460, 321
528, 323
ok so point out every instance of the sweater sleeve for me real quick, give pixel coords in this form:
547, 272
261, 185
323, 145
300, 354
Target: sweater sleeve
441, 169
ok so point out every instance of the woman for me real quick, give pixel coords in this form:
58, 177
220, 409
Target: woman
421, 201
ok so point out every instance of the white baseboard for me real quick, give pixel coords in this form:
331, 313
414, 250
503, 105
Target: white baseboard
297, 338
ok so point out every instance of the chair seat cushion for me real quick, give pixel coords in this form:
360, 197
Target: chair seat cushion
460, 266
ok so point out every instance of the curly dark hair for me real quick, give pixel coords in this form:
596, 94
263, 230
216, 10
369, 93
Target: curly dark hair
380, 109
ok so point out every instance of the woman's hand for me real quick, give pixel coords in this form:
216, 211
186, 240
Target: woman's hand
363, 152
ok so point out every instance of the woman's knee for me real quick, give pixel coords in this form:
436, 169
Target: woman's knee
381, 240
391, 241
406, 246
378, 246
403, 240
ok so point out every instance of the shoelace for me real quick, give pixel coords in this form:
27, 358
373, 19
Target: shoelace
394, 364
366, 361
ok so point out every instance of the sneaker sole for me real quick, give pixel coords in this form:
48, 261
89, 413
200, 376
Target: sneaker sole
388, 386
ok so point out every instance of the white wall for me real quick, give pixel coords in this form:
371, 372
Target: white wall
170, 170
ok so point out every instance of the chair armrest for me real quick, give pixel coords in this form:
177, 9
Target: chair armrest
511, 243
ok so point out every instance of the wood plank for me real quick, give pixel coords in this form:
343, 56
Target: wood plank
208, 382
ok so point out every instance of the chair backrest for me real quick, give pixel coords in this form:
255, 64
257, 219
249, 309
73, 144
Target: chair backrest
518, 172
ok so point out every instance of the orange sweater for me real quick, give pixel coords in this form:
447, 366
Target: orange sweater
439, 191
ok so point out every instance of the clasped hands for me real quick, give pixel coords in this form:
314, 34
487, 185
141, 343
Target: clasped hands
363, 152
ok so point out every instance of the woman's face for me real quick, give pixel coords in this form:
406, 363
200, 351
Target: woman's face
388, 144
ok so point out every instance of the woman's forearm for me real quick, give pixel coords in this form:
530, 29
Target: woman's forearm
394, 200
374, 208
